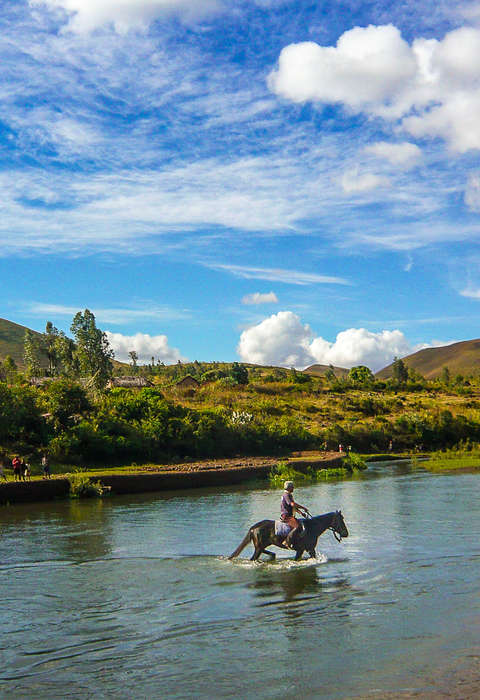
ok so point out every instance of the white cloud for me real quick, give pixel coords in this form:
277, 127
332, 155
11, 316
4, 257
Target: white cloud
357, 346
367, 66
259, 298
433, 86
87, 15
278, 340
472, 193
282, 339
405, 154
277, 275
102, 315
470, 292
353, 181
146, 346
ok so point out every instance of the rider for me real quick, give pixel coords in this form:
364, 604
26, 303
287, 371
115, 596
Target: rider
287, 509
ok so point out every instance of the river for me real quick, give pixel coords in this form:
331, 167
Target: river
133, 597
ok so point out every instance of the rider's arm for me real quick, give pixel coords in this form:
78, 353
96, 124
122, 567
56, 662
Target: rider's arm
297, 506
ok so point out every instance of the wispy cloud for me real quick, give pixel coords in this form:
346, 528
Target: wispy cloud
115, 316
278, 275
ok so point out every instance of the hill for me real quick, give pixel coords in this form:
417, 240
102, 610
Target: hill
11, 340
12, 336
460, 358
321, 370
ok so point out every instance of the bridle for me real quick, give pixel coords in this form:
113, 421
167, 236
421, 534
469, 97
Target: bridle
336, 534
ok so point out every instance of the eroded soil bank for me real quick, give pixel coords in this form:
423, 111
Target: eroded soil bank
168, 477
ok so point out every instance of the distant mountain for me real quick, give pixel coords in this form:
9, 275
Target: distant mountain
12, 336
460, 358
321, 370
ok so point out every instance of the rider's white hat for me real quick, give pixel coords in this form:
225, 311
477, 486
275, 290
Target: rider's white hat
287, 485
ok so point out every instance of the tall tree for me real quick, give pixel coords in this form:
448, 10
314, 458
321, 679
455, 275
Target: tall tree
50, 345
32, 354
65, 351
92, 352
399, 370
134, 358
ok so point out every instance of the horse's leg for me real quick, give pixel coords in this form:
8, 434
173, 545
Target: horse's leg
270, 554
299, 554
313, 554
256, 554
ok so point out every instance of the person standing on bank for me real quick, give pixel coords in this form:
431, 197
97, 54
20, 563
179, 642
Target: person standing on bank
45, 467
288, 508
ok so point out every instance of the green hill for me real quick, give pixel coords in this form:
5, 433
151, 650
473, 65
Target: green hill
460, 358
11, 340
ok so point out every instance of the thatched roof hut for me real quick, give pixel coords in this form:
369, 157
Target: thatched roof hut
187, 382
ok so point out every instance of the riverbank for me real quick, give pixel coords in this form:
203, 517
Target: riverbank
147, 478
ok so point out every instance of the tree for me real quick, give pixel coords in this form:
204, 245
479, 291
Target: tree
330, 374
65, 352
445, 376
92, 352
65, 400
50, 345
239, 373
360, 375
32, 354
134, 358
9, 369
399, 370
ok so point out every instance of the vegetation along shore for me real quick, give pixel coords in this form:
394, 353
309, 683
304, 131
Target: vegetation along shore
69, 400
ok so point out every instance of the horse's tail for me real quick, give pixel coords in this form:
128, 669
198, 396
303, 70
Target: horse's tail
242, 544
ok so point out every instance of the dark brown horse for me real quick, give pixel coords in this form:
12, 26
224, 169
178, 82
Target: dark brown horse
262, 535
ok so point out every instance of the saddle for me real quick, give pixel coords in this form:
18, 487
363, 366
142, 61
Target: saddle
282, 529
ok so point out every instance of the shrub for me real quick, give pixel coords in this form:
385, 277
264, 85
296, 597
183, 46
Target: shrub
82, 487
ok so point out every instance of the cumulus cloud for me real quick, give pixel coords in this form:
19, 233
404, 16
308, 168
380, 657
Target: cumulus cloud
259, 298
87, 15
405, 154
431, 85
146, 346
282, 339
368, 65
357, 346
353, 181
472, 193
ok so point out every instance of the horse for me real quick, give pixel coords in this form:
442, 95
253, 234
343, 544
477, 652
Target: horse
262, 534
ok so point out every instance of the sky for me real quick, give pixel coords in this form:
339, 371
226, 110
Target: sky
283, 182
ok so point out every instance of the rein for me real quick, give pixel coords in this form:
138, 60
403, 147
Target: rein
336, 534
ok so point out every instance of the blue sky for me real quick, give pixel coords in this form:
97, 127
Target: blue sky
267, 180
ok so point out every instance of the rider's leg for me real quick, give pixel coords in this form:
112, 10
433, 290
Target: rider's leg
293, 534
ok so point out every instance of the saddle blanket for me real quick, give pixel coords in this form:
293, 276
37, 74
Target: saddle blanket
281, 529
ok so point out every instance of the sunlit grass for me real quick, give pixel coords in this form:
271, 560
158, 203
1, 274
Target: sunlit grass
448, 460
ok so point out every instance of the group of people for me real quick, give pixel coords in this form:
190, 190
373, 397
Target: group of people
21, 469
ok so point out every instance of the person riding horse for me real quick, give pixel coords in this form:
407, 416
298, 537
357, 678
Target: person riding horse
287, 509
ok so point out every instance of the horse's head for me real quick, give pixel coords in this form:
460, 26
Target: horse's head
338, 526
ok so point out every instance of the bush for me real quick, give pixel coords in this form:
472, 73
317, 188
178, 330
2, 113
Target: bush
82, 487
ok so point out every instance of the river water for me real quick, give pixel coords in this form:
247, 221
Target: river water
133, 597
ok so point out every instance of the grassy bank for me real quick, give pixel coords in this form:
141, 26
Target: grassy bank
448, 460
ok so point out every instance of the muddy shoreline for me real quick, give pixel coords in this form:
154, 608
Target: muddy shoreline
167, 477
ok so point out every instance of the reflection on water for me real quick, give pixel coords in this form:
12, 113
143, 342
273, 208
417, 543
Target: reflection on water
124, 597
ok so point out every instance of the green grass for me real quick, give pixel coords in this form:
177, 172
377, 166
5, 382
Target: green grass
448, 460
284, 471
